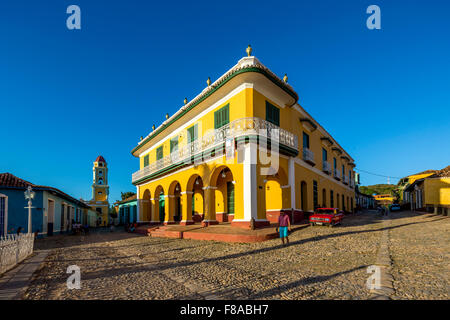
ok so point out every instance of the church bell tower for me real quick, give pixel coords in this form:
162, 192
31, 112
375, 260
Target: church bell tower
100, 191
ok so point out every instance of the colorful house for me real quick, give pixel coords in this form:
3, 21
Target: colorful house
242, 150
383, 199
430, 193
53, 210
127, 210
364, 201
100, 191
406, 181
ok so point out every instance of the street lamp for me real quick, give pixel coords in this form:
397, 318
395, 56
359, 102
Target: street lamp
29, 194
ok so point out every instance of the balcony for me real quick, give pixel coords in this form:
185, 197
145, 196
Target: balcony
216, 139
345, 180
308, 156
337, 174
326, 167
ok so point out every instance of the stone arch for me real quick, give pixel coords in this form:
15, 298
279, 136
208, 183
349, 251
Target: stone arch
277, 195
159, 204
324, 198
174, 201
222, 194
304, 195
194, 199
146, 214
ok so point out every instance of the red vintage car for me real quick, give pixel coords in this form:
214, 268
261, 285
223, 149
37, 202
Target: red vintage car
326, 216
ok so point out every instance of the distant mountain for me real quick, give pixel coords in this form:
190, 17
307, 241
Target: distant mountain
379, 189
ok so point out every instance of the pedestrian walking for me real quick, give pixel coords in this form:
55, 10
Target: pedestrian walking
284, 225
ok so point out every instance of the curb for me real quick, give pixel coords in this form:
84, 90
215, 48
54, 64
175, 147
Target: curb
384, 263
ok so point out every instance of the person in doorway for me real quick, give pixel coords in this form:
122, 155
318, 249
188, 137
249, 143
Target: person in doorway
19, 230
284, 225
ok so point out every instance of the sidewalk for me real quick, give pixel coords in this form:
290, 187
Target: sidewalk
15, 282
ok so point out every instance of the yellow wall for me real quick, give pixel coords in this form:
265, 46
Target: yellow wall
437, 191
249, 103
237, 109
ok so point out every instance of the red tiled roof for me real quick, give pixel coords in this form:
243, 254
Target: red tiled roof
423, 172
9, 180
444, 173
100, 158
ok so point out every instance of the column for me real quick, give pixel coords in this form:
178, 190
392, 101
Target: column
250, 182
210, 206
186, 207
168, 205
139, 208
291, 175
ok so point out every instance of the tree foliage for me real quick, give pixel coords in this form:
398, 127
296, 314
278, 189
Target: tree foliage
379, 189
125, 195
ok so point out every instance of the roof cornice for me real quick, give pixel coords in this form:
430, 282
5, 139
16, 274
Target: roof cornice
246, 64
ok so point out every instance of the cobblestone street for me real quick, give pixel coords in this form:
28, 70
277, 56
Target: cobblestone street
320, 263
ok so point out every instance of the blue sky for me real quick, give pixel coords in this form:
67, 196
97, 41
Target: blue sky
67, 96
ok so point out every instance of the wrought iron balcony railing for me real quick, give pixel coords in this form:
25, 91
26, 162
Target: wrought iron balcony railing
214, 138
345, 180
337, 174
326, 167
308, 156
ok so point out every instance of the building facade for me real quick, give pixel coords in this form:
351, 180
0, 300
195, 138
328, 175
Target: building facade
53, 210
430, 193
383, 199
242, 150
406, 181
100, 191
127, 210
364, 201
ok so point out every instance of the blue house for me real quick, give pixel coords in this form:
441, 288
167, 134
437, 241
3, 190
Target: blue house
127, 210
53, 210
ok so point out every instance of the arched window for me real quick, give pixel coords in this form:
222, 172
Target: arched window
324, 198
100, 181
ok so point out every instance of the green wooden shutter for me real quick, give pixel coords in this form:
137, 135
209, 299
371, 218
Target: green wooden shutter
173, 145
159, 153
226, 115
272, 114
193, 133
222, 117
230, 197
146, 160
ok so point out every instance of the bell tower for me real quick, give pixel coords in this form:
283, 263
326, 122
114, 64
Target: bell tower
100, 188
100, 191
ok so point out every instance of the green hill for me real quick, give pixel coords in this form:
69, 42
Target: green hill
379, 189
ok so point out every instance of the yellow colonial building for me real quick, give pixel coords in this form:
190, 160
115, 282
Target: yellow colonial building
100, 191
430, 192
242, 150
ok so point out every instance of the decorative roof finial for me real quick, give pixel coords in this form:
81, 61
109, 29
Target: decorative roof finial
208, 82
167, 116
142, 138
185, 100
249, 50
285, 78
153, 127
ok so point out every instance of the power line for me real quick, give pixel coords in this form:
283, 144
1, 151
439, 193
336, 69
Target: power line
376, 174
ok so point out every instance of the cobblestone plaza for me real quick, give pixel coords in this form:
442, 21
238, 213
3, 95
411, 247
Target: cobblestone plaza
320, 263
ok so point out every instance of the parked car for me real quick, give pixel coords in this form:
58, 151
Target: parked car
326, 216
395, 207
